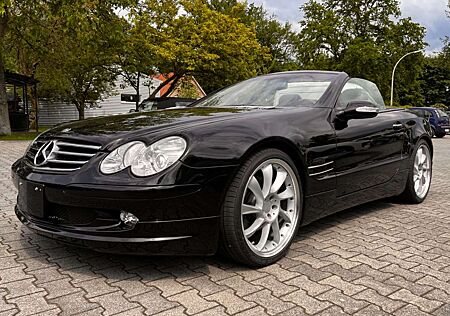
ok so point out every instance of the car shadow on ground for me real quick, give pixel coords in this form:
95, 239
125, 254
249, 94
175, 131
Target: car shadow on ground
83, 264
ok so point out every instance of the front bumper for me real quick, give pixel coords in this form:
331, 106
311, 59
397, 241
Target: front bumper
178, 219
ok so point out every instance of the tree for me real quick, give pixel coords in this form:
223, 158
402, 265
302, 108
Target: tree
200, 41
436, 78
70, 47
362, 38
278, 38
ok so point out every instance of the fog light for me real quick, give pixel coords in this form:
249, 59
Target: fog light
128, 219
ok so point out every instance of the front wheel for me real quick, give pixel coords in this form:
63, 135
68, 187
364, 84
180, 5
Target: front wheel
419, 176
262, 209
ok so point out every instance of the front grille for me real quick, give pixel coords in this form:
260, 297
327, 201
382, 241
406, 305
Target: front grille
60, 155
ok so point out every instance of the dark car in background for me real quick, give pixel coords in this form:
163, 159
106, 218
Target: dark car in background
244, 168
438, 119
153, 104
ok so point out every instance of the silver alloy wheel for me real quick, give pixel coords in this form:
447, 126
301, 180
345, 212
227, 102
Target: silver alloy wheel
422, 171
269, 208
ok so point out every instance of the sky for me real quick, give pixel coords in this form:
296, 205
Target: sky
429, 13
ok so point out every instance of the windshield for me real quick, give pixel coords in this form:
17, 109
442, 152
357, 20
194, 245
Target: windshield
280, 90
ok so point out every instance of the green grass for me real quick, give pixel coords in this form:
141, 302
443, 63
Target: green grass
23, 135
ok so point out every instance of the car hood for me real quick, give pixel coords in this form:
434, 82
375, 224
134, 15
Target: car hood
103, 130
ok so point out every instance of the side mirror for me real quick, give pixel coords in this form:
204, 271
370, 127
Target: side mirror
358, 110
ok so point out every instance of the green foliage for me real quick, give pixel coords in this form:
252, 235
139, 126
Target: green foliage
440, 106
278, 38
361, 38
435, 83
187, 90
70, 47
208, 44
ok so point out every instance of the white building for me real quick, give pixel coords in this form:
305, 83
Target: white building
52, 113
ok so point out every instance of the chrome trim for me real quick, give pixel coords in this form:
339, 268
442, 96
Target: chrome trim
54, 169
68, 153
322, 165
62, 143
319, 173
70, 162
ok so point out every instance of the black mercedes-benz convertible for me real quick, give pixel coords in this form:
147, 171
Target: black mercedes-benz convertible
240, 170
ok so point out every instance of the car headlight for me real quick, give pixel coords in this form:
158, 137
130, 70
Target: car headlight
144, 160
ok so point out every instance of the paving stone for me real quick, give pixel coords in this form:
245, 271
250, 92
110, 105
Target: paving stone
96, 287
347, 303
193, 302
169, 286
312, 288
444, 310
32, 304
424, 304
74, 303
215, 311
410, 310
414, 287
20, 288
233, 303
277, 288
312, 273
240, 286
133, 286
113, 303
4, 305
279, 273
203, 285
258, 310
371, 310
153, 302
346, 287
388, 305
59, 288
13, 274
308, 303
271, 304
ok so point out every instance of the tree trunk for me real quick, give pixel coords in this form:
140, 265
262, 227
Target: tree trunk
5, 127
80, 108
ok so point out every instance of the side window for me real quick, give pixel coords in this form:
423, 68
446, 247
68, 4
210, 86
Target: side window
360, 90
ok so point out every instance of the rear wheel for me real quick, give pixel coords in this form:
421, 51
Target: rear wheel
420, 173
262, 209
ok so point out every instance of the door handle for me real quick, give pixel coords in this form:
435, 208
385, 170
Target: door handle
398, 126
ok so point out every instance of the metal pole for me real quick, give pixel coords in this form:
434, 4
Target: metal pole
137, 90
393, 73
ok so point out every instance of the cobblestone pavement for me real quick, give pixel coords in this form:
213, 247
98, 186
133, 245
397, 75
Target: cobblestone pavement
377, 259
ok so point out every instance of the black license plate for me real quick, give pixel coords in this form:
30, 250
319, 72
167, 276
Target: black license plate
31, 198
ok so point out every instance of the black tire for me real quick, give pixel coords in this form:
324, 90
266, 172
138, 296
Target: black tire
433, 132
409, 195
441, 135
233, 242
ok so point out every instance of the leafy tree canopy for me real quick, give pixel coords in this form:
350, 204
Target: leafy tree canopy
362, 38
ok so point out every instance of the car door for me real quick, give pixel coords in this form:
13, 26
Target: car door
369, 150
